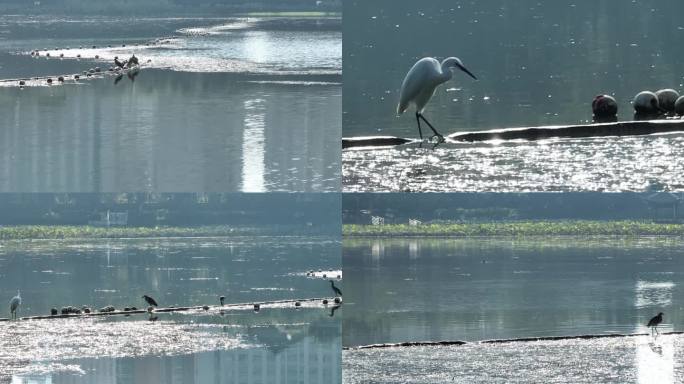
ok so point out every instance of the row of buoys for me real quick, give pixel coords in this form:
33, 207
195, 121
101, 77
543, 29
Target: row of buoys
324, 275
665, 102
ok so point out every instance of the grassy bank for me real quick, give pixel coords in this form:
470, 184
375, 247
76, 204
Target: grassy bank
522, 228
22, 232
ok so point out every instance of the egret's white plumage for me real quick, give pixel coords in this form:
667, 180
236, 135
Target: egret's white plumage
421, 81
14, 304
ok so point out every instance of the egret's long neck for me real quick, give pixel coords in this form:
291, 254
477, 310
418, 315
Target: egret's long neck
446, 71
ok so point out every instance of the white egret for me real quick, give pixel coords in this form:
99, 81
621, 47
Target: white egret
420, 83
14, 304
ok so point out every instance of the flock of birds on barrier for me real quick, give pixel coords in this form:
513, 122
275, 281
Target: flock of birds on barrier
15, 302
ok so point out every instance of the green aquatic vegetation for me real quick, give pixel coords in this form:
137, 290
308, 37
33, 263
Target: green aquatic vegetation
519, 228
20, 232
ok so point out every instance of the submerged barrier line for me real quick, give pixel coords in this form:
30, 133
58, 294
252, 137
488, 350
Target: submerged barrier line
625, 128
501, 341
331, 301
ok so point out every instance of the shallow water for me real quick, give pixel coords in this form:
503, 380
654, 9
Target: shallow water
542, 65
476, 289
612, 164
224, 105
233, 344
621, 360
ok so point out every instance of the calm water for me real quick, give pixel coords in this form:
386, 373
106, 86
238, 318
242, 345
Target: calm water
478, 289
222, 105
234, 346
542, 64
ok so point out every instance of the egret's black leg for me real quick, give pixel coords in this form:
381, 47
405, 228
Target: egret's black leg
420, 131
441, 138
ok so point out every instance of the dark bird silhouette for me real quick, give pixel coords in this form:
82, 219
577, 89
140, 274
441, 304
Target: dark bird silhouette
654, 322
335, 289
150, 301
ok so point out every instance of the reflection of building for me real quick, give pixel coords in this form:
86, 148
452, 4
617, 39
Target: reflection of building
109, 218
664, 206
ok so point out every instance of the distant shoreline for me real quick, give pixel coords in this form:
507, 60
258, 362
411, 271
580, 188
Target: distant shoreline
517, 229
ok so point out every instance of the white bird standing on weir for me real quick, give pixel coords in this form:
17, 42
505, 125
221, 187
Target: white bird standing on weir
14, 304
420, 83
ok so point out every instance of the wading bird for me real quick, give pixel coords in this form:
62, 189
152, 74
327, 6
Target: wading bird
150, 301
14, 304
420, 83
335, 289
654, 322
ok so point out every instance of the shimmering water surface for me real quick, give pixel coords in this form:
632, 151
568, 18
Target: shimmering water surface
478, 289
218, 345
624, 360
221, 104
542, 64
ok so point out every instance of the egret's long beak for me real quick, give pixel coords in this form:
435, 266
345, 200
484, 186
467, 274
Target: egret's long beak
464, 69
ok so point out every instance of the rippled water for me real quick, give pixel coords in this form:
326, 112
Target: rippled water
623, 360
594, 164
224, 104
542, 65
476, 289
224, 345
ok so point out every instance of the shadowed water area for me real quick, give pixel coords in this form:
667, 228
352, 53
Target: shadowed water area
542, 64
222, 345
479, 289
220, 104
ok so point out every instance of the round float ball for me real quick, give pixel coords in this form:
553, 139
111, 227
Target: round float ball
47, 54
54, 312
86, 309
61, 55
298, 304
134, 308
60, 79
337, 300
604, 106
49, 81
91, 70
22, 83
646, 102
325, 276
97, 69
78, 56
206, 307
94, 46
325, 301
65, 311
76, 77
338, 276
37, 53
667, 99
679, 106
88, 75
123, 45
97, 56
126, 309
257, 307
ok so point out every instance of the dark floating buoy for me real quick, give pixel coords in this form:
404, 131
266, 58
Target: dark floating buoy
54, 312
86, 309
667, 99
109, 308
325, 301
65, 311
49, 80
97, 56
257, 307
60, 79
97, 69
679, 106
126, 309
646, 102
94, 46
206, 307
325, 276
61, 55
78, 56
298, 304
604, 108
338, 300
123, 45
47, 54
338, 277
134, 308
22, 83
76, 77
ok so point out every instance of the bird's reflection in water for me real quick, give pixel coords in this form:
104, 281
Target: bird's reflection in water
656, 348
333, 309
130, 74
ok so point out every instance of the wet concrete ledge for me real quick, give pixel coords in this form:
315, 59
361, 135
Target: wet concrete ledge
331, 303
624, 128
503, 341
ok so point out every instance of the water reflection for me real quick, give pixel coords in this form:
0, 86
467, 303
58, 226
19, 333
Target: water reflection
475, 289
655, 361
97, 137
